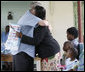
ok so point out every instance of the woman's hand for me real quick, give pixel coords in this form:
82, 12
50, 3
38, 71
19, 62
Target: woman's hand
19, 34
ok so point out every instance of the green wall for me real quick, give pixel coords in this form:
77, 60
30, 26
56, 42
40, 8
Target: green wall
75, 7
18, 8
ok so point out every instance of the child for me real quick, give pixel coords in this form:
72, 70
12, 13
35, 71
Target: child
67, 45
72, 35
71, 62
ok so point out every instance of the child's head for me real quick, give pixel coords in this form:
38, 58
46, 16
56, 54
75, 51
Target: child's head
72, 33
72, 53
67, 46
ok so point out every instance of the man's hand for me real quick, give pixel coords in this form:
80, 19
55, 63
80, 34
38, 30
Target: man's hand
19, 34
43, 23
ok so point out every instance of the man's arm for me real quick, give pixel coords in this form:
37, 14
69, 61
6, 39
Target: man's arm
43, 23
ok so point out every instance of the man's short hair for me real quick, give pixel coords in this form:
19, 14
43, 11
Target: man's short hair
35, 3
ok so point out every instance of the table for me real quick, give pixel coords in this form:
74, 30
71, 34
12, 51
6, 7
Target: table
7, 57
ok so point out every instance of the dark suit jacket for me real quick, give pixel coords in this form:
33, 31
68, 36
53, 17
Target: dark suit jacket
45, 44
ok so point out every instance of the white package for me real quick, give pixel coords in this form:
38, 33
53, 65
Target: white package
13, 41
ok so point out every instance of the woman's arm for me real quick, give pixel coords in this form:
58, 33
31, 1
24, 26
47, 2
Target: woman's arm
38, 37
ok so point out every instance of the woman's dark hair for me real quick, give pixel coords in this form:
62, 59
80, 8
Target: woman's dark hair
40, 12
73, 31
